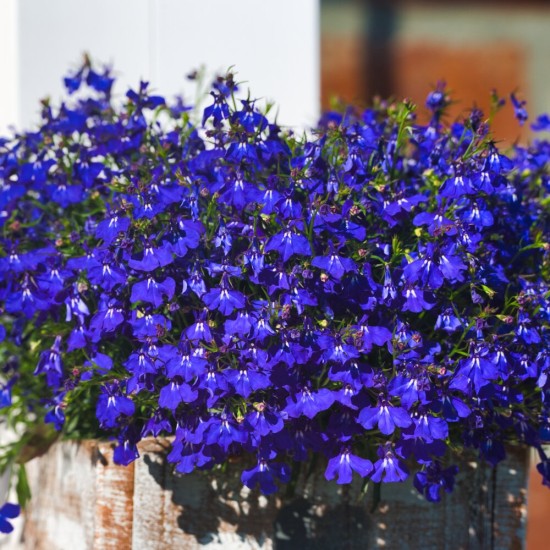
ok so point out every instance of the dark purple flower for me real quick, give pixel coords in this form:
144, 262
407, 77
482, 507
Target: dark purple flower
543, 468
433, 478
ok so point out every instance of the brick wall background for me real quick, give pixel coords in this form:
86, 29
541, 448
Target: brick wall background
404, 48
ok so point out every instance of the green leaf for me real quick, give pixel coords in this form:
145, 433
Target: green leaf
22, 488
376, 497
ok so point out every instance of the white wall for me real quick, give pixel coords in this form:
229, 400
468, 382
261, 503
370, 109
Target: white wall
9, 101
273, 45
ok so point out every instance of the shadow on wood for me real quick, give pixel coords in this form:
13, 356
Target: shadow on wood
81, 500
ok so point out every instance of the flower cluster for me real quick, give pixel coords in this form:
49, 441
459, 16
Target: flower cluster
375, 293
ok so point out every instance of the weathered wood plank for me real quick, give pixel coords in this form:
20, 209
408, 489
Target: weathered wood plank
61, 514
114, 502
81, 500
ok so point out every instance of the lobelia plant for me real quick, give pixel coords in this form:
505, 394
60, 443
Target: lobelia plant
375, 294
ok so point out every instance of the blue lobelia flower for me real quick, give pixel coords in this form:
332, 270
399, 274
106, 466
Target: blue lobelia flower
265, 473
264, 420
241, 325
153, 292
76, 306
416, 299
478, 215
369, 335
186, 362
224, 431
430, 427
200, 330
309, 403
157, 424
191, 456
519, 109
389, 469
344, 464
249, 117
112, 404
436, 221
5, 393
335, 265
477, 368
176, 392
152, 257
448, 321
246, 379
288, 243
149, 325
107, 319
107, 274
100, 82
451, 265
8, 511
224, 299
242, 151
218, 111
456, 187
73, 81
27, 299
385, 416
51, 365
78, 338
55, 416
424, 269
541, 124
187, 236
110, 228
126, 451
526, 331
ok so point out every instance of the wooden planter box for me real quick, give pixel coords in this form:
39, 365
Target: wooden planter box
82, 501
